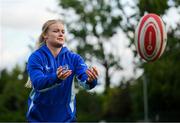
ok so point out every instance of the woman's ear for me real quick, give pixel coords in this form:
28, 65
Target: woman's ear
44, 36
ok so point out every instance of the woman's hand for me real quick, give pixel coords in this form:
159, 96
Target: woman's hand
63, 74
92, 74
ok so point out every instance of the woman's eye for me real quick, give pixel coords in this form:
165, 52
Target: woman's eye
55, 31
62, 32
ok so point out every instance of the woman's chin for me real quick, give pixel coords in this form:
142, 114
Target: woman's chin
59, 44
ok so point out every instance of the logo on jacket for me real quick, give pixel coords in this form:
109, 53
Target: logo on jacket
65, 68
47, 68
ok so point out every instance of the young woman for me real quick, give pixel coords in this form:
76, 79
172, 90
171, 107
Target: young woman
52, 68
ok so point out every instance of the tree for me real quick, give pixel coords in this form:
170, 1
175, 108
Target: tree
93, 29
98, 20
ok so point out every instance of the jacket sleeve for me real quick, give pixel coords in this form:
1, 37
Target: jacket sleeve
40, 81
80, 71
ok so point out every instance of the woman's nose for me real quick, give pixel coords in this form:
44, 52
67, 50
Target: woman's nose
60, 34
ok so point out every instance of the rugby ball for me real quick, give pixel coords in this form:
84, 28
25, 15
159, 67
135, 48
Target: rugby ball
150, 37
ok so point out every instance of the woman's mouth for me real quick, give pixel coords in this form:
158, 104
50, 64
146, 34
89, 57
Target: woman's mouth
60, 39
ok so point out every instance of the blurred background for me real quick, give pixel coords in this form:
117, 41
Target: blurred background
102, 32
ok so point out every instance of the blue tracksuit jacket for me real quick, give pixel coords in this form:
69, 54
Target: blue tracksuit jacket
52, 99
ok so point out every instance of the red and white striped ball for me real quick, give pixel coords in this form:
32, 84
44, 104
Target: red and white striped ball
150, 37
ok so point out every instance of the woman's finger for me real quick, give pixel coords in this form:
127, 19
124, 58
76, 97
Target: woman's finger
60, 69
95, 70
94, 74
91, 75
66, 74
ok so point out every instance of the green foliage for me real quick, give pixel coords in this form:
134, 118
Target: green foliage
137, 99
115, 106
164, 93
13, 95
89, 107
152, 6
118, 104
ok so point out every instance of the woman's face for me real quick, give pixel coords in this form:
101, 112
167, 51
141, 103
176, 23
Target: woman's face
55, 35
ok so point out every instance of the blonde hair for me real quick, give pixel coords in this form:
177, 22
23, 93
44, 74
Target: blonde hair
41, 41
